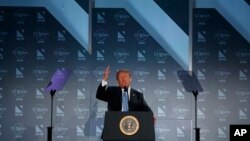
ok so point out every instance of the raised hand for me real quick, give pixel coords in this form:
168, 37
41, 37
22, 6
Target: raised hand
106, 73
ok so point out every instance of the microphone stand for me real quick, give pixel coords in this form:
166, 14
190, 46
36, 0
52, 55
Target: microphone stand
49, 137
197, 130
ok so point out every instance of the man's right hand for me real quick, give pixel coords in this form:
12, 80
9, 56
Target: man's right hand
106, 73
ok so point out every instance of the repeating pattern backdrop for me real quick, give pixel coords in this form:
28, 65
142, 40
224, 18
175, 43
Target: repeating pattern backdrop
119, 41
221, 61
33, 45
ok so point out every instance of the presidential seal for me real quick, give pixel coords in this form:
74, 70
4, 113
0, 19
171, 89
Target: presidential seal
129, 125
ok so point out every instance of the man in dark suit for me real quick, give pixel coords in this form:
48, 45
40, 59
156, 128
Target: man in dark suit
113, 94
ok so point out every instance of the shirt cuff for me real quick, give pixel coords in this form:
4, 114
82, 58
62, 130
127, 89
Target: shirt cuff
104, 83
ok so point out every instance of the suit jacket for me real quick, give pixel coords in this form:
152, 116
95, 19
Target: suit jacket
113, 95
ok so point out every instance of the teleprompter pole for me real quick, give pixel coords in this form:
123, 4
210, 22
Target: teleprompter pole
197, 130
49, 137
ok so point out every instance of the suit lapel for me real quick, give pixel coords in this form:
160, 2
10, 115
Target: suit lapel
132, 100
132, 95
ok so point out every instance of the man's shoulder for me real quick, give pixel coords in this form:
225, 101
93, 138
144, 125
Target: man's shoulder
136, 91
113, 87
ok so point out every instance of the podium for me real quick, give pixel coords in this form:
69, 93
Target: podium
128, 126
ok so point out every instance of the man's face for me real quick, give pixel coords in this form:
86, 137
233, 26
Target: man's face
124, 79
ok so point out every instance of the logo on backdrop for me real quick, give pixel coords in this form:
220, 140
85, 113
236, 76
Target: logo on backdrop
201, 113
243, 74
222, 94
18, 110
18, 129
121, 36
243, 55
40, 93
204, 131
141, 74
141, 56
20, 53
39, 110
201, 55
40, 72
181, 111
162, 74
121, 18
21, 15
81, 93
181, 132
19, 92
19, 72
222, 113
80, 130
201, 74
100, 17
60, 110
61, 94
222, 74
161, 110
161, 93
141, 36
243, 94
161, 55
180, 94
61, 35
60, 130
201, 36
121, 55
41, 16
222, 132
222, 36
39, 129
202, 17
129, 125
243, 114
222, 55
81, 73
41, 35
100, 55
61, 54
81, 111
20, 34
100, 35
163, 131
40, 54
81, 54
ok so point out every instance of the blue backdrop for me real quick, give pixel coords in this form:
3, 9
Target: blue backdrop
33, 44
